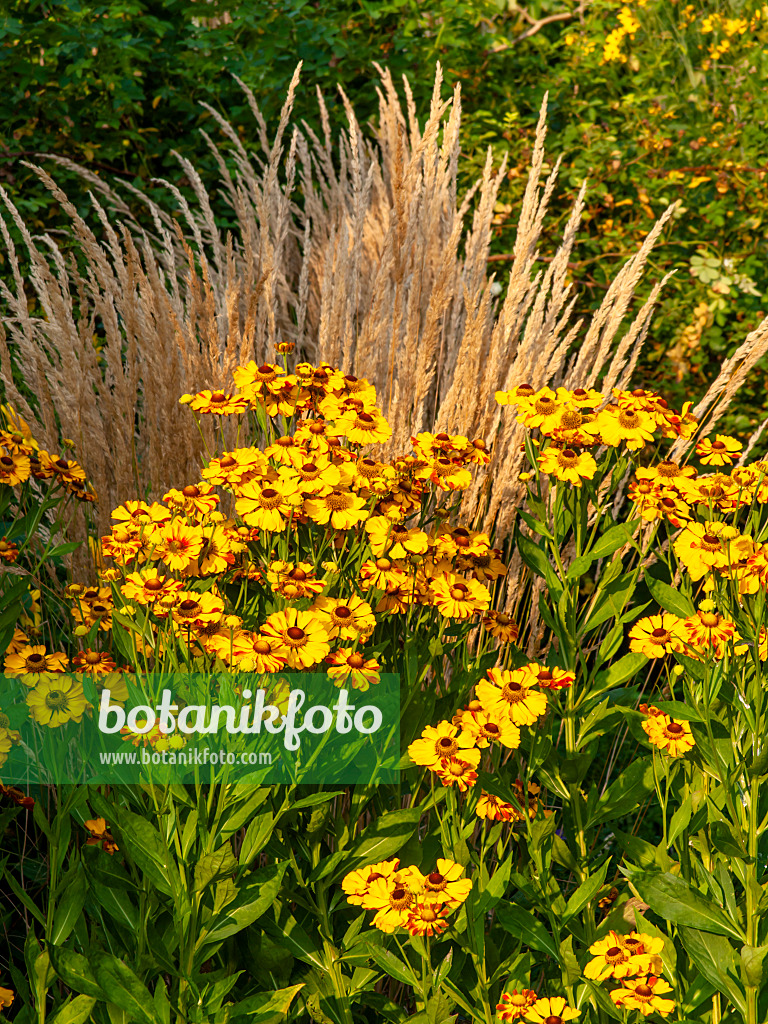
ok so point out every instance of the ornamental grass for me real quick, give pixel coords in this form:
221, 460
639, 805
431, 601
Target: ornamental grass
324, 447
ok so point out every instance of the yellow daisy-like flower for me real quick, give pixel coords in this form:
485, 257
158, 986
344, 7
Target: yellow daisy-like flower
568, 465
514, 1005
394, 540
32, 660
711, 634
313, 472
363, 427
705, 546
657, 635
615, 958
348, 618
393, 898
487, 728
459, 598
645, 995
446, 885
454, 771
342, 509
720, 452
348, 666
501, 626
56, 701
616, 425
667, 733
267, 506
512, 693
301, 633
442, 741
216, 403
427, 919
493, 808
294, 581
540, 409
178, 544
250, 652
14, 469
94, 663
357, 883
551, 1011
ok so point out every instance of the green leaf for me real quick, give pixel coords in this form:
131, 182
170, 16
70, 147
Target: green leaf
125, 990
753, 965
74, 1011
623, 670
214, 866
75, 971
292, 936
680, 819
670, 599
384, 837
142, 842
673, 899
628, 791
392, 965
716, 961
528, 929
676, 709
249, 904
265, 1007
69, 909
585, 892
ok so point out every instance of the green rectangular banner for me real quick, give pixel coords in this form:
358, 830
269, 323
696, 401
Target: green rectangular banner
218, 728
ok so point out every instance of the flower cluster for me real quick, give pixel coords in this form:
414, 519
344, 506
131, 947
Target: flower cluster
22, 459
406, 898
635, 960
504, 702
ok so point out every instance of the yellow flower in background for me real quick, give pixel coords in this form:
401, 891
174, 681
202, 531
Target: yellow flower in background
514, 1005
656, 635
268, 505
614, 958
551, 1011
720, 452
645, 995
667, 733
513, 694
444, 740
705, 546
33, 660
427, 919
459, 598
454, 771
301, 633
568, 465
348, 666
363, 427
56, 700
446, 885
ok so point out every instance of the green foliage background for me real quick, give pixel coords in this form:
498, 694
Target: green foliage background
118, 86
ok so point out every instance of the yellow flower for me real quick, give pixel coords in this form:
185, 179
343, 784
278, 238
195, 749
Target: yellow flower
14, 469
342, 509
644, 994
444, 740
568, 465
217, 403
446, 885
493, 808
350, 666
393, 898
302, 634
514, 1005
614, 958
513, 694
294, 581
427, 919
616, 425
386, 537
178, 544
551, 1011
357, 883
656, 635
454, 771
501, 626
57, 700
458, 598
32, 660
363, 427
705, 546
720, 452
267, 506
345, 618
667, 733
250, 652
487, 728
